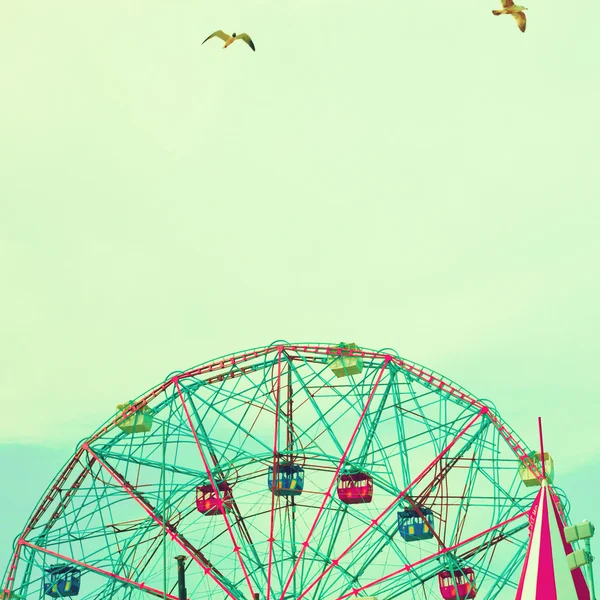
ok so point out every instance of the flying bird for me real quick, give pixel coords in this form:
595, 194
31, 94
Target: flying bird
510, 8
229, 39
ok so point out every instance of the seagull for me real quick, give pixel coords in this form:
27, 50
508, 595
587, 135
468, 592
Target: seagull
510, 8
229, 39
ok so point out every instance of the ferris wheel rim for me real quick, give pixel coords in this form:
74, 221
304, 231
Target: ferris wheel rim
425, 376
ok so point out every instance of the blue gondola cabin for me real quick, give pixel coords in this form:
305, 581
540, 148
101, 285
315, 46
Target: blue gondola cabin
457, 586
412, 527
62, 581
288, 480
355, 488
207, 500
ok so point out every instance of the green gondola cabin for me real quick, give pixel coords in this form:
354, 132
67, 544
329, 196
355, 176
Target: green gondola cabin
528, 477
345, 359
139, 422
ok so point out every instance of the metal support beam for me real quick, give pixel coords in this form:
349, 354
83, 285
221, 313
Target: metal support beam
181, 576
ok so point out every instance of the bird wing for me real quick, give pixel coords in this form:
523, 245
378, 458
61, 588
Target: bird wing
220, 34
246, 38
507, 3
521, 20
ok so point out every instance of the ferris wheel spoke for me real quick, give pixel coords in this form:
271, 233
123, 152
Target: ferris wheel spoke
240, 426
401, 434
54, 491
437, 480
416, 400
468, 487
177, 537
328, 494
131, 409
394, 502
331, 535
271, 538
310, 395
361, 561
503, 579
232, 503
236, 547
322, 417
250, 397
136, 584
407, 568
434, 380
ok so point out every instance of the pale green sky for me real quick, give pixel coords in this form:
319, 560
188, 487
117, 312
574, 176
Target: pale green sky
421, 176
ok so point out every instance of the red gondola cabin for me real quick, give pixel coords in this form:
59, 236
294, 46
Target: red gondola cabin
207, 501
355, 488
461, 587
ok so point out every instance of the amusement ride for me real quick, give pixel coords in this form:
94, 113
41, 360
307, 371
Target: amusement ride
302, 472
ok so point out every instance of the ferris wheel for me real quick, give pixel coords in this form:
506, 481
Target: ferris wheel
291, 471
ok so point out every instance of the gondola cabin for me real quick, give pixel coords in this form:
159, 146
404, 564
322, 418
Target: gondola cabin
139, 422
345, 359
355, 488
62, 581
412, 527
459, 587
286, 479
529, 478
207, 500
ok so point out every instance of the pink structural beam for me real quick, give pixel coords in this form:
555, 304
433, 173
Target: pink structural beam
217, 367
425, 375
174, 535
328, 495
406, 568
433, 379
391, 505
131, 410
271, 538
236, 547
47, 501
142, 586
212, 367
222, 368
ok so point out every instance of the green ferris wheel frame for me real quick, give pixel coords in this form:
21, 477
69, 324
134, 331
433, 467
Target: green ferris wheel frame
256, 467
